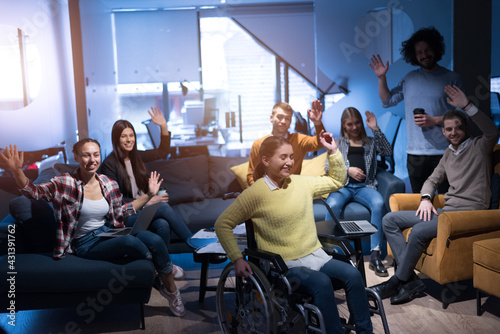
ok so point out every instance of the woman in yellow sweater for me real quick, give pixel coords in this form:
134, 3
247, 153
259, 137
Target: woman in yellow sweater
280, 206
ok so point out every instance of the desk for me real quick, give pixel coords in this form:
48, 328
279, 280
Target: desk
330, 228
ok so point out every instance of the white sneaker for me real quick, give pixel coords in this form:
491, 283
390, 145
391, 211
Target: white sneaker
179, 273
174, 301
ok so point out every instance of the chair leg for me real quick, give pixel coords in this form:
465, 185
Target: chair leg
377, 308
478, 302
143, 320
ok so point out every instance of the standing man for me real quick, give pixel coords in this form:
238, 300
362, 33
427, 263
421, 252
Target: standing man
281, 118
421, 88
466, 164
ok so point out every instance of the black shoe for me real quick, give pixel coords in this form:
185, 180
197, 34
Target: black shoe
379, 268
387, 289
408, 290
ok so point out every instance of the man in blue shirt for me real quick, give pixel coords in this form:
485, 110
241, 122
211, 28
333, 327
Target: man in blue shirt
421, 88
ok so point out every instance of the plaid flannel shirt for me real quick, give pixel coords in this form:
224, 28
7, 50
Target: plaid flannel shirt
66, 194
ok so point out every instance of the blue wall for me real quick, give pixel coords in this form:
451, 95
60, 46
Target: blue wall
336, 26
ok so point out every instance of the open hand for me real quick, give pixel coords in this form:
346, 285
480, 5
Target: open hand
157, 116
456, 97
154, 184
316, 112
13, 158
378, 66
371, 120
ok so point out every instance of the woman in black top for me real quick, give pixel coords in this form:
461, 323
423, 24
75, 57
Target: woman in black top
125, 165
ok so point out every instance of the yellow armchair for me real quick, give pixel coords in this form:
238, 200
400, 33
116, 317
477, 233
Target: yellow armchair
448, 257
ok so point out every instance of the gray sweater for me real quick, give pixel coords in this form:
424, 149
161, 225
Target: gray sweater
468, 172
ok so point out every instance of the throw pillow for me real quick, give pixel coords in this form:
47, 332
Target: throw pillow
314, 166
178, 180
240, 171
35, 219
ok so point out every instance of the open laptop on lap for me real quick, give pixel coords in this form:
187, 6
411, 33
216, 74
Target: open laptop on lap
348, 227
141, 224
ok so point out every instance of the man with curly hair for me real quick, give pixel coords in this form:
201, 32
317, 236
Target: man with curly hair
421, 88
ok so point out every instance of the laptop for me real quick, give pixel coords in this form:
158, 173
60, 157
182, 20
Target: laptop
349, 227
141, 224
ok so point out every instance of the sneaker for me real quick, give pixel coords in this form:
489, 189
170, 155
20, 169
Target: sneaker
174, 302
179, 273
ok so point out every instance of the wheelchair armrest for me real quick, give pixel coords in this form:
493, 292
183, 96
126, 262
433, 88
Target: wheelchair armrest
340, 242
279, 265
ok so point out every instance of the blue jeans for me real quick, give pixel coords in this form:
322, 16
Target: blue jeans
368, 197
164, 220
145, 245
320, 284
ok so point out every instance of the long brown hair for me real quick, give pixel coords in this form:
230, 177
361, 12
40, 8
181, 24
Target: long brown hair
140, 171
267, 149
351, 112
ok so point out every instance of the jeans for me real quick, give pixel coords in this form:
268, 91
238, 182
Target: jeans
320, 284
408, 254
368, 197
164, 220
145, 245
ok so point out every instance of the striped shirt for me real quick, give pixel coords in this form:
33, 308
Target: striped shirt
373, 146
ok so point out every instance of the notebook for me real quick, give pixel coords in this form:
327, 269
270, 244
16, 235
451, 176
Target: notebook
349, 227
141, 224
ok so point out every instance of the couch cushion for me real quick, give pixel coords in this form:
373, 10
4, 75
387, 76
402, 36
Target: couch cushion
46, 175
222, 179
35, 223
180, 179
198, 215
314, 166
240, 172
66, 168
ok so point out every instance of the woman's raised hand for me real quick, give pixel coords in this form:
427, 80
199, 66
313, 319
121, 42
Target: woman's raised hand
157, 116
13, 158
154, 184
371, 120
326, 139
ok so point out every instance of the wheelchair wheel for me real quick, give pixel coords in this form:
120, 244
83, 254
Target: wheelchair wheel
245, 305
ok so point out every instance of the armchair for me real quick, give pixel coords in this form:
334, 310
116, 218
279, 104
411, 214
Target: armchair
448, 257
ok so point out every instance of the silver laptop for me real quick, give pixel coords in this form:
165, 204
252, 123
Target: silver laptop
349, 227
141, 224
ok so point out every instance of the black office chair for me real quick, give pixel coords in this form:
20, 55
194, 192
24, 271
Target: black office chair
264, 302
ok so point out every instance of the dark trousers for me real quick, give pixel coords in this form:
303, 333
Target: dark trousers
420, 167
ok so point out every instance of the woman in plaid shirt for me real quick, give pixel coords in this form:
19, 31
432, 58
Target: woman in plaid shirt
360, 157
86, 204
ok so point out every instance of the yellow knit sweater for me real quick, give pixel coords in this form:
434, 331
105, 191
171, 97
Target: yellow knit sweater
283, 219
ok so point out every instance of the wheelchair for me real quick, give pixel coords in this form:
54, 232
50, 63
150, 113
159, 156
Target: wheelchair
266, 303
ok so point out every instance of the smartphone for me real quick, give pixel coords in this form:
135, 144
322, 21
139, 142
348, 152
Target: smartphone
418, 111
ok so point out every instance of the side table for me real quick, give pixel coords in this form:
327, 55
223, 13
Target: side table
205, 259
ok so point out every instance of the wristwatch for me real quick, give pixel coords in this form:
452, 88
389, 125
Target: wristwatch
425, 197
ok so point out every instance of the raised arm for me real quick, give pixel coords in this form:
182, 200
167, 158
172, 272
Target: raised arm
15, 160
380, 71
154, 186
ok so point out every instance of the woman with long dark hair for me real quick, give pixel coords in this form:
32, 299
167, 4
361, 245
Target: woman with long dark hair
87, 203
125, 165
360, 157
281, 208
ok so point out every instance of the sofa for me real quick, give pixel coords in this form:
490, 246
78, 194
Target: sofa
195, 185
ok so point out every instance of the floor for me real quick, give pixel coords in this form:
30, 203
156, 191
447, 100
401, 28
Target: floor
424, 314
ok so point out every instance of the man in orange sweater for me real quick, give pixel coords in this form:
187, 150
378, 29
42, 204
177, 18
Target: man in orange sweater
281, 118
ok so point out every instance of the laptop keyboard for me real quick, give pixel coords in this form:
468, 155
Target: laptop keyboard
350, 227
